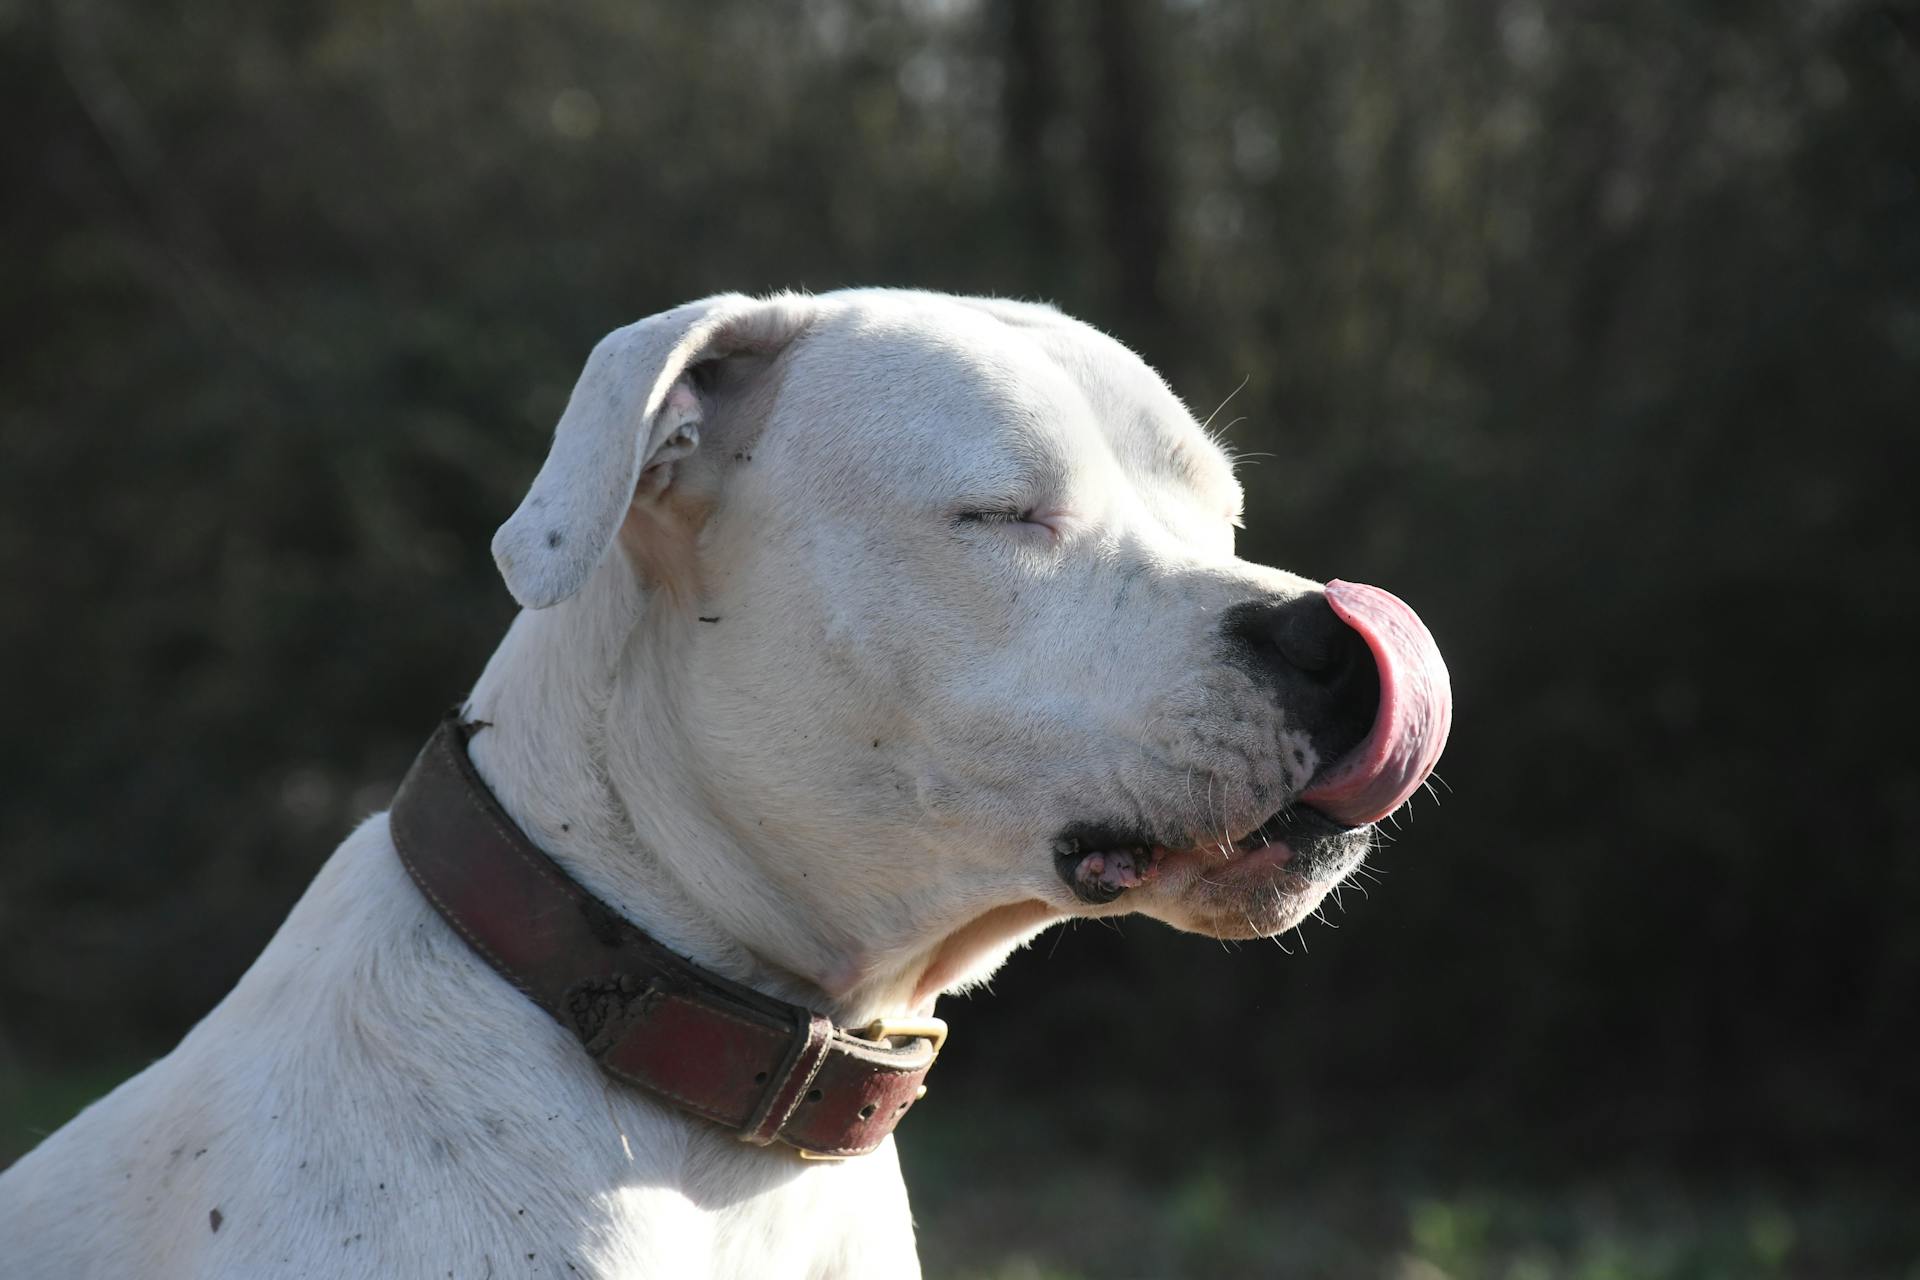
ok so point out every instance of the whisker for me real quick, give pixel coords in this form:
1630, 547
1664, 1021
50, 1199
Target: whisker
1207, 425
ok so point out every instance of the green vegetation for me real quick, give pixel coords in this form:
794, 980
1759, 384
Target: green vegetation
1581, 1232
1027, 1206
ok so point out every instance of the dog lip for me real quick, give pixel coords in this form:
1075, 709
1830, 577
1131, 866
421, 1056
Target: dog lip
1294, 820
1099, 862
1409, 729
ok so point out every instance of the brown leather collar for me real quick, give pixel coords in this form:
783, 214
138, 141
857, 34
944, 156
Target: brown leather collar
768, 1070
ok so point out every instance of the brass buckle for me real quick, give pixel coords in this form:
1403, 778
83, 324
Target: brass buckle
881, 1030
934, 1029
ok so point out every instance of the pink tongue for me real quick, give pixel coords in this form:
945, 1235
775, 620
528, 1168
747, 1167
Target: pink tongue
1416, 710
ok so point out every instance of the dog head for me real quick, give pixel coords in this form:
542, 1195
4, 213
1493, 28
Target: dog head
940, 636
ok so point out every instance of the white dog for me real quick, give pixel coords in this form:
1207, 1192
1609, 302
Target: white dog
865, 635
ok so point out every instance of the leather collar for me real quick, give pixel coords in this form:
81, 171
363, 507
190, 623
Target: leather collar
768, 1070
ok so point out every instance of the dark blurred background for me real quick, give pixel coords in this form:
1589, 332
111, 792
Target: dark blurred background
1592, 330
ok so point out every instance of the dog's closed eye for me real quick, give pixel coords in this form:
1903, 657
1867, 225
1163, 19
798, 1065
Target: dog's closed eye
1019, 523
997, 517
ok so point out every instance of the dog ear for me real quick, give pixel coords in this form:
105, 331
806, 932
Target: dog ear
633, 415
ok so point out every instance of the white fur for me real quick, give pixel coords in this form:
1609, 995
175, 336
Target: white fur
808, 725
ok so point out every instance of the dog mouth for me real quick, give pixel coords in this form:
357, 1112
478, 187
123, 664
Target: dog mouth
1101, 861
1371, 780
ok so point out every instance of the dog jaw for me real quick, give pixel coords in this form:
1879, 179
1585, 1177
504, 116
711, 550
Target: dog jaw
972, 952
864, 984
1254, 894
1257, 884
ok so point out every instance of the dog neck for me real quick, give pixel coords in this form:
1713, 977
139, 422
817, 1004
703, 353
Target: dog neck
574, 698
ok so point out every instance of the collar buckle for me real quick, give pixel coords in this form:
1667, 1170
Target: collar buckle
884, 1029
881, 1031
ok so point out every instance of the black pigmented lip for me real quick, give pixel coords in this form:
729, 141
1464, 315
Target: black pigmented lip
1296, 822
1125, 854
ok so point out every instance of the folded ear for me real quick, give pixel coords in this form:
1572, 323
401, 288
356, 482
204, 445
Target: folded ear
633, 415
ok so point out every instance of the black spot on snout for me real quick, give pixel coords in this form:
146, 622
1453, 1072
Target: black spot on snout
1318, 669
555, 537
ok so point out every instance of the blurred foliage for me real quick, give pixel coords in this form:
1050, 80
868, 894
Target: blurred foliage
1240, 1215
1592, 330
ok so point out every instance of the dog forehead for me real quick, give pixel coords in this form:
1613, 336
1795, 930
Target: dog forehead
949, 386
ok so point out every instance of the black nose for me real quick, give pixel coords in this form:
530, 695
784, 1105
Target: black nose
1320, 668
